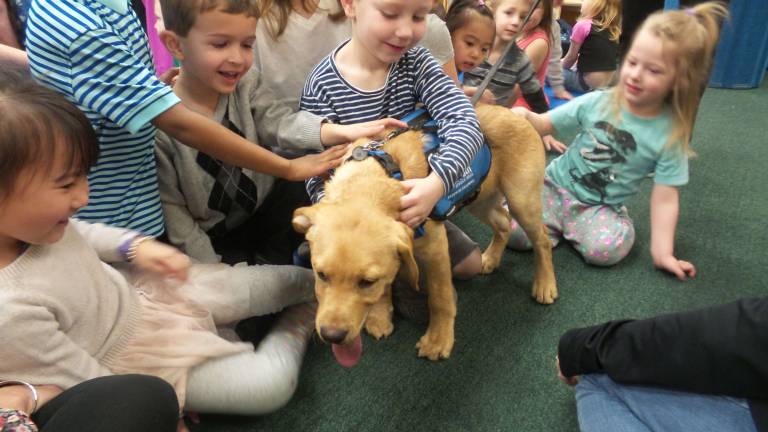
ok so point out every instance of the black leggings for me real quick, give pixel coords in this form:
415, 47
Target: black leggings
119, 403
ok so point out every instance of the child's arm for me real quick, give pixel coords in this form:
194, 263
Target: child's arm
278, 126
579, 33
13, 55
458, 128
487, 98
537, 52
555, 67
573, 54
219, 142
541, 122
664, 212
114, 244
528, 83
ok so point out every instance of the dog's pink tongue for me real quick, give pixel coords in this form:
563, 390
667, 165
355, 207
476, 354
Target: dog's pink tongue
348, 355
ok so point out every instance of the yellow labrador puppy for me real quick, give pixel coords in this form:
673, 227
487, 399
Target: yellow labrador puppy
359, 246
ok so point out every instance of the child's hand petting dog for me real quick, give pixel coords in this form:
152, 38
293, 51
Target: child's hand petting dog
487, 98
420, 197
332, 134
315, 164
159, 258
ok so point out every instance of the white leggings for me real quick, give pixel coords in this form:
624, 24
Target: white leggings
260, 381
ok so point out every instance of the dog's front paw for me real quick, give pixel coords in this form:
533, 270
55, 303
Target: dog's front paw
545, 293
378, 327
490, 262
435, 346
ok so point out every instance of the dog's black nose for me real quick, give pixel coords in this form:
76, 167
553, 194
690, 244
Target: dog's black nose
332, 334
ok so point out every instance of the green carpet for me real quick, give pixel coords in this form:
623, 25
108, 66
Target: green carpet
501, 373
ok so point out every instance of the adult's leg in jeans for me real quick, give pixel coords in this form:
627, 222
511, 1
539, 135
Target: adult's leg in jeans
118, 403
604, 405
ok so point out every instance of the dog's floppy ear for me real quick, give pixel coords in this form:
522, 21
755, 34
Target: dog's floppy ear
408, 267
303, 219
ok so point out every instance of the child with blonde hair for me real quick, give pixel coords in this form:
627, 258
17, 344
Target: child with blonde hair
594, 46
380, 72
383, 72
292, 36
641, 126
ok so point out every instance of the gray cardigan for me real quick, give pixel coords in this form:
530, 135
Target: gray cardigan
187, 191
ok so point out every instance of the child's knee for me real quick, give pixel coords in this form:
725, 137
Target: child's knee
273, 391
607, 251
469, 266
282, 391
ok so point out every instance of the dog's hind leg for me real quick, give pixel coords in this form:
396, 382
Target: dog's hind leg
491, 213
526, 209
378, 323
432, 255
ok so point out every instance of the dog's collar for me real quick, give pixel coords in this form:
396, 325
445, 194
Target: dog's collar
373, 149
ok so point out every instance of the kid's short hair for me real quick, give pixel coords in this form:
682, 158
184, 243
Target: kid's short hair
180, 15
36, 125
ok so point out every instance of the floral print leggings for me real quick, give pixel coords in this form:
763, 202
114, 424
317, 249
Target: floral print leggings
602, 234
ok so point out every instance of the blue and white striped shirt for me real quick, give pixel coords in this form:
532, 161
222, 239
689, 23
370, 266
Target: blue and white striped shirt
415, 78
96, 54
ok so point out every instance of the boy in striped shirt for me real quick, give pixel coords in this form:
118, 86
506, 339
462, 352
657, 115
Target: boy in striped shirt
380, 72
96, 54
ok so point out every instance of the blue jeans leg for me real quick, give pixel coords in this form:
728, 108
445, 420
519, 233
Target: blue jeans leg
604, 405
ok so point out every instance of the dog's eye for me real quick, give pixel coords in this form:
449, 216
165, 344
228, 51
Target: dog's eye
366, 283
323, 277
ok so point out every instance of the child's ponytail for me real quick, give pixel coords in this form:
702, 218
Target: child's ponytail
690, 37
710, 16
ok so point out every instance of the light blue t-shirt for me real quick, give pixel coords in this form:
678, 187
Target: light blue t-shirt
96, 54
609, 156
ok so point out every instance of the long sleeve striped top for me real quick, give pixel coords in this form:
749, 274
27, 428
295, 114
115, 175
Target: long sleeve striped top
414, 79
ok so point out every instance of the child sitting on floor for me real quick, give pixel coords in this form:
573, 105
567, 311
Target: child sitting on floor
594, 46
535, 37
86, 300
641, 126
